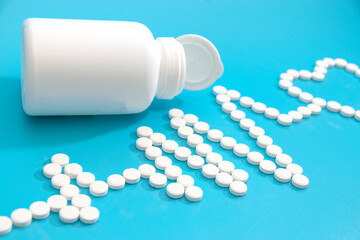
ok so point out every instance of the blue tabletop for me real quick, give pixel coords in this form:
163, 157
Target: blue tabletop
257, 41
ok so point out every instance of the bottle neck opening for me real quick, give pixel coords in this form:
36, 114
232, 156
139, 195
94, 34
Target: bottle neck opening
172, 68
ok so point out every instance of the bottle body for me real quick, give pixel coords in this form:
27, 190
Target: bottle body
86, 67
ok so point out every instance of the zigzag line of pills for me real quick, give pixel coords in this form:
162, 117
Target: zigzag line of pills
292, 171
80, 207
315, 105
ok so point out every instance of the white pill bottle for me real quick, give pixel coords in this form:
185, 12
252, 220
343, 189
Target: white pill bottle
86, 67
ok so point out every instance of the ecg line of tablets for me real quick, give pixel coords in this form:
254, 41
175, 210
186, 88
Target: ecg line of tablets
315, 105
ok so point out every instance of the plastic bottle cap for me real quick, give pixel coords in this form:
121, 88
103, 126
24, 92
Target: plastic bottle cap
203, 63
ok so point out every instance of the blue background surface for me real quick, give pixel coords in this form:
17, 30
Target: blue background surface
257, 41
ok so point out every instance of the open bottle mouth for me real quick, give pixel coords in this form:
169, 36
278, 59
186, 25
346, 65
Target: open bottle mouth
203, 63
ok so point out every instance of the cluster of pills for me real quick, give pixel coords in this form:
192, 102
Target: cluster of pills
154, 144
315, 105
287, 170
222, 171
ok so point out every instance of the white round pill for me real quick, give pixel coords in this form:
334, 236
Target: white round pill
246, 123
56, 202
194, 140
215, 135
157, 180
201, 127
226, 166
285, 84
162, 162
222, 98
329, 61
223, 179
143, 143
294, 91
169, 146
240, 175
237, 115
315, 109
185, 180
182, 153
357, 73
254, 158
190, 119
131, 175
157, 139
233, 94
306, 112
69, 214
69, 191
84, 179
293, 73
99, 188
116, 181
284, 119
322, 63
175, 190
258, 107
300, 181
271, 113
146, 170
296, 116
333, 106
175, 112
21, 217
80, 201
357, 115
89, 215
340, 63
213, 158
267, 167
286, 76
238, 188
347, 111
283, 160
318, 76
282, 175
273, 150
185, 131
305, 74
73, 170
306, 97
195, 162
227, 143
193, 193
319, 101
51, 169
246, 102
61, 159
40, 210
203, 149
241, 150
228, 107
318, 69
173, 172
153, 152
294, 168
177, 122
219, 90
60, 180
263, 141
144, 131
255, 132
351, 67
5, 225
210, 171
